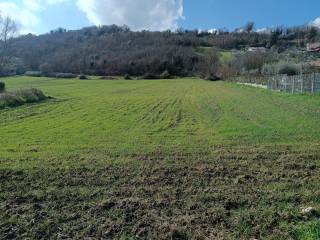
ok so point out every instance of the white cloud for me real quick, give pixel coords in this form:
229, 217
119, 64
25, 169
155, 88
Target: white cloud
32, 5
26, 13
25, 18
51, 2
137, 14
316, 22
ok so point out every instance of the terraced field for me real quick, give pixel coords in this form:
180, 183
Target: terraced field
167, 159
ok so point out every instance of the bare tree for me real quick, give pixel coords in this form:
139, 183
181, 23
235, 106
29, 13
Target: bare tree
249, 27
8, 30
312, 33
209, 67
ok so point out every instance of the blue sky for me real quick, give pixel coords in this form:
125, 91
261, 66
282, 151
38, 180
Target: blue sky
40, 16
235, 13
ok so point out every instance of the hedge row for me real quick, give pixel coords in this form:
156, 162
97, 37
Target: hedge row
53, 75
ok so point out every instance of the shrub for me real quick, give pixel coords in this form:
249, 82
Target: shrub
289, 68
66, 75
150, 76
83, 77
127, 77
108, 78
49, 74
228, 71
212, 78
269, 69
45, 69
210, 66
249, 61
31, 95
20, 97
165, 75
10, 100
286, 68
2, 86
33, 73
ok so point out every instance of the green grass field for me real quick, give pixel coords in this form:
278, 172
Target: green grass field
167, 159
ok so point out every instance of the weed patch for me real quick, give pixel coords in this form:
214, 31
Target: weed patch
20, 97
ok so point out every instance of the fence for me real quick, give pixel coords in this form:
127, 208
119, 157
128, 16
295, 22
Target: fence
307, 83
251, 79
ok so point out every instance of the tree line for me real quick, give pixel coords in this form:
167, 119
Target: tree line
115, 50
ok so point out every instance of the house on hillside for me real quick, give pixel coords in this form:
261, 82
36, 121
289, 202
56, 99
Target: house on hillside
313, 47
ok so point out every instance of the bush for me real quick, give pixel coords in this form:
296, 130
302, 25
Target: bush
269, 69
212, 78
108, 78
65, 75
20, 97
31, 95
83, 77
285, 68
49, 75
288, 68
165, 75
2, 86
33, 74
210, 67
249, 61
45, 69
10, 100
228, 71
150, 76
127, 77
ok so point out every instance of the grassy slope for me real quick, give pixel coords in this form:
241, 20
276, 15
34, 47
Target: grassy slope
225, 55
226, 160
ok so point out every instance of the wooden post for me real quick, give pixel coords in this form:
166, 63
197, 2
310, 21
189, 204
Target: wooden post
301, 83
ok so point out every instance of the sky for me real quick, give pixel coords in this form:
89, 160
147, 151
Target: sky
41, 16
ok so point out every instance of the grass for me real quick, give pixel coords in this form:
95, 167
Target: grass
21, 97
225, 55
309, 232
177, 159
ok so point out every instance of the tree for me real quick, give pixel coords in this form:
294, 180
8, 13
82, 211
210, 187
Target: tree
45, 68
8, 30
274, 37
249, 27
2, 86
312, 33
209, 66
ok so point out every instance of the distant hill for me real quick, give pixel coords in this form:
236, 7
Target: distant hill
113, 50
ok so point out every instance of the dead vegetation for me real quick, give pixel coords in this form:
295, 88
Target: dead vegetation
238, 194
20, 97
